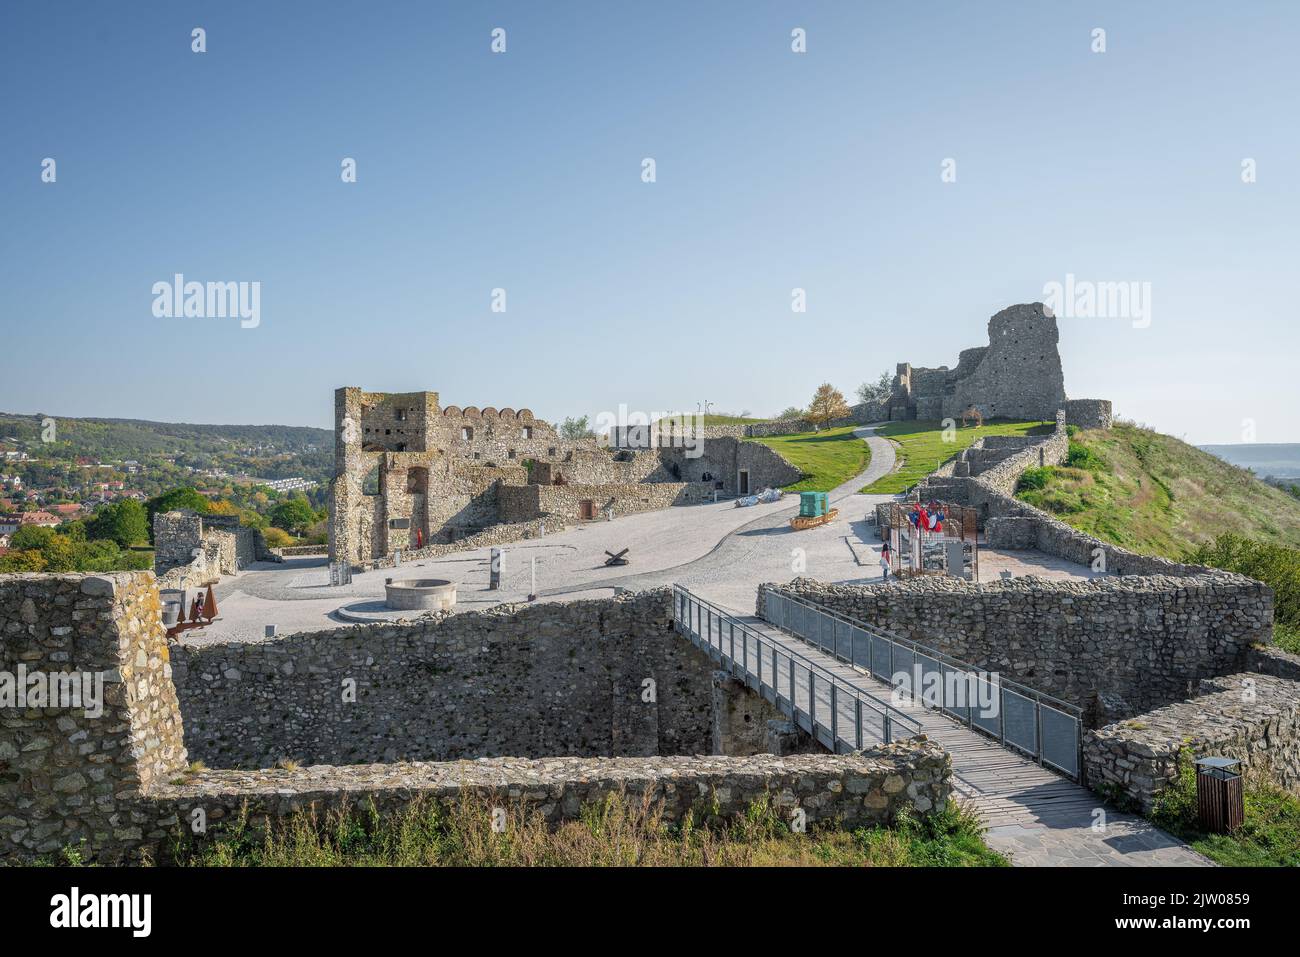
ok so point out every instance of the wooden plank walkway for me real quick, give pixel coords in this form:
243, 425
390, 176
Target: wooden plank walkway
1033, 815
1004, 786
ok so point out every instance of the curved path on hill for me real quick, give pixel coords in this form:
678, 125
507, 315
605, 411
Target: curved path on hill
744, 546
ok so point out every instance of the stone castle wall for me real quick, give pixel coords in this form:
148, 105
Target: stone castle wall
1113, 646
1089, 413
193, 550
437, 469
1016, 376
409, 472
526, 503
724, 459
117, 785
526, 681
68, 775
869, 788
1254, 718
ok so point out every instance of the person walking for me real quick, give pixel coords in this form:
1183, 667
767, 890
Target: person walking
885, 556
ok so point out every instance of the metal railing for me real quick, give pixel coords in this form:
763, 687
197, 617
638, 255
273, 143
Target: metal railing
840, 716
1041, 726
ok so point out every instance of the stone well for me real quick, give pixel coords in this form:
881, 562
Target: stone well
422, 594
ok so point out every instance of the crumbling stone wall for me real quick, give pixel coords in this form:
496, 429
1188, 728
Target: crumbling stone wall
1270, 660
1254, 718
522, 680
118, 785
1113, 646
436, 470
526, 503
1089, 413
741, 719
192, 550
494, 535
410, 472
722, 460
849, 790
66, 774
1016, 376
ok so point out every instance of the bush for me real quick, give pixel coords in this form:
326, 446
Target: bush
124, 522
277, 537
1082, 457
1035, 478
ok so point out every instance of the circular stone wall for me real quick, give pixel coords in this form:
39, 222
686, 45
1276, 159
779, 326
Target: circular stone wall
423, 594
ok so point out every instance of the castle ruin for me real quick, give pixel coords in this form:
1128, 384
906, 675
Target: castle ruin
1016, 376
411, 474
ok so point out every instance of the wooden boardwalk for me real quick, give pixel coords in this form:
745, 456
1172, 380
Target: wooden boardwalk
1034, 816
1003, 785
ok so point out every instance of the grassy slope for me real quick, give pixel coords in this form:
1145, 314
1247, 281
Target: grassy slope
922, 448
828, 457
1270, 833
1159, 496
1154, 494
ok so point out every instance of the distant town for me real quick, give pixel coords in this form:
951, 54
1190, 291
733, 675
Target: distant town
59, 473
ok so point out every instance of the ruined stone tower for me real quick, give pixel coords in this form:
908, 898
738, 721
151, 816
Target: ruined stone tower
1017, 375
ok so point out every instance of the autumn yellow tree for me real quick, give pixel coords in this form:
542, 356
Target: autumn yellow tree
827, 403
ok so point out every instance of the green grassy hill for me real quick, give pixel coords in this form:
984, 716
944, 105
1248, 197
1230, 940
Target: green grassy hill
827, 458
1154, 494
921, 447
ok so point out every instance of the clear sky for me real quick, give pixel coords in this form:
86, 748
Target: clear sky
523, 171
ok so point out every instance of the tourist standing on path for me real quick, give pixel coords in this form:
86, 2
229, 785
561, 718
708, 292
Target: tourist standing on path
884, 561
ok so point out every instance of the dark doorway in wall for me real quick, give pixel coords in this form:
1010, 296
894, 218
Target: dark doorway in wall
587, 509
742, 482
417, 487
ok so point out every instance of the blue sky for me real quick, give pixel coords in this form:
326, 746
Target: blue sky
522, 171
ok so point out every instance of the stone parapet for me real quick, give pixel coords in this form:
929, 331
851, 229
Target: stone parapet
1067, 638
1254, 718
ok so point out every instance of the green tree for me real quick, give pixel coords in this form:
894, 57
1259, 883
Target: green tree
27, 560
60, 554
793, 412
123, 522
184, 497
878, 391
295, 515
579, 428
35, 537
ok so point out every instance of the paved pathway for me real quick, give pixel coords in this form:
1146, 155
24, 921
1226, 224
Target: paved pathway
740, 547
717, 549
1034, 816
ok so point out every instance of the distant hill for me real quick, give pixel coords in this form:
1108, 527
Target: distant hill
1279, 459
268, 451
1157, 495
